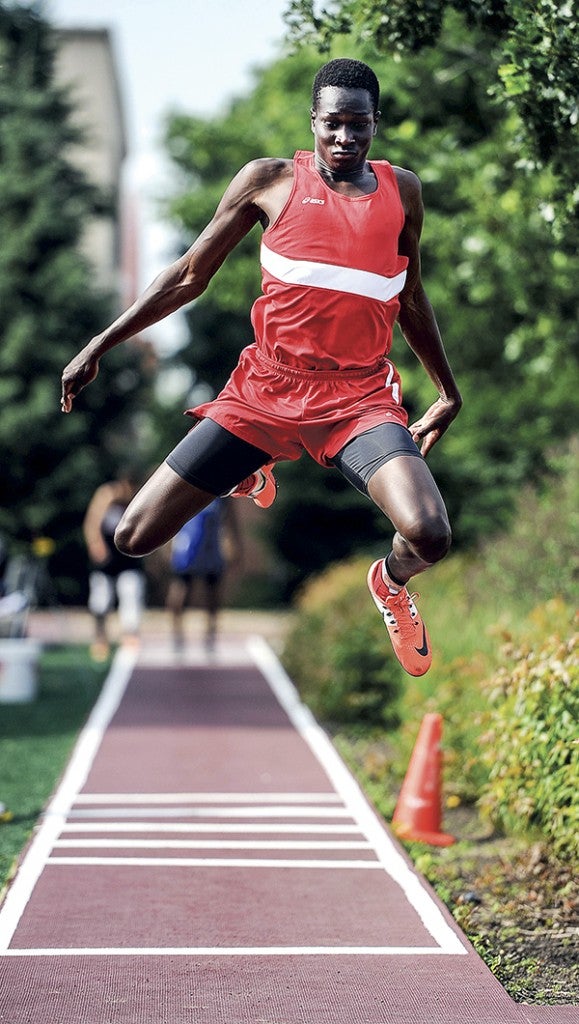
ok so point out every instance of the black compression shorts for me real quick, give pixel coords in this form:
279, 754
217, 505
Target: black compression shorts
215, 460
360, 458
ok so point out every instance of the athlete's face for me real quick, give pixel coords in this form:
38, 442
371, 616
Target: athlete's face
344, 124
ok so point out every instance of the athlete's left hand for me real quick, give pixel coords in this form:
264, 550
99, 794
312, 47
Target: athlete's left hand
435, 421
80, 371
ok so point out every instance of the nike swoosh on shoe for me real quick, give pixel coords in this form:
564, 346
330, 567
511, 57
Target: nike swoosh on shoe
424, 649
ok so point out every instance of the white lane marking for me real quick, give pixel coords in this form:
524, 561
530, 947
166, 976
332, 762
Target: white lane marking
210, 844
291, 811
217, 828
74, 778
206, 798
247, 951
214, 862
344, 783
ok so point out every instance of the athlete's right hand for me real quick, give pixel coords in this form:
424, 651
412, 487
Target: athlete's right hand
80, 371
436, 420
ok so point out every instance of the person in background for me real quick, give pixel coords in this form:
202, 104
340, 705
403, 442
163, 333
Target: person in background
115, 580
201, 552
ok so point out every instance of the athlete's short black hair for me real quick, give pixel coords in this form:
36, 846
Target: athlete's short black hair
347, 74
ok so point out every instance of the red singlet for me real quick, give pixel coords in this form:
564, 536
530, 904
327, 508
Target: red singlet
331, 273
317, 374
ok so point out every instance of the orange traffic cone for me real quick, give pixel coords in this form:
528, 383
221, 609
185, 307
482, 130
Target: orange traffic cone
418, 811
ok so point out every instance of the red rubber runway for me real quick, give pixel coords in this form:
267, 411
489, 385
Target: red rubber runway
208, 859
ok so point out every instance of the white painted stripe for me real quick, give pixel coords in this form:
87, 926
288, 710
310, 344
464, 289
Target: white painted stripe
232, 951
389, 856
219, 828
326, 275
73, 780
212, 812
206, 798
209, 844
214, 862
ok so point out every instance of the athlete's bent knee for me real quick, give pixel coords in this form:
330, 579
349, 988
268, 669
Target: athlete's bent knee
430, 538
129, 539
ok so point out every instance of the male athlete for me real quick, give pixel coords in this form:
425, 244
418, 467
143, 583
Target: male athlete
340, 263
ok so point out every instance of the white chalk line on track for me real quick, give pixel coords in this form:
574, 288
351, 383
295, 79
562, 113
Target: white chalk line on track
390, 859
110, 799
291, 811
209, 844
246, 951
213, 828
214, 862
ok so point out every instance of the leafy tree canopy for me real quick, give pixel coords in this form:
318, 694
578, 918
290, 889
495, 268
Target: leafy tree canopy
502, 288
537, 73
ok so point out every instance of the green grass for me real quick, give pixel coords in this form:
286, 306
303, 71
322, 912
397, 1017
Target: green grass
36, 740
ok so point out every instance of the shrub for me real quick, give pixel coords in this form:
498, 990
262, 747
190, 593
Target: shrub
532, 747
538, 558
337, 653
340, 656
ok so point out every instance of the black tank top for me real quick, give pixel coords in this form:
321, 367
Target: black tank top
116, 561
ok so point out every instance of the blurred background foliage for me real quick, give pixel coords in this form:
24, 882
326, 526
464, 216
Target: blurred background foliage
502, 283
49, 308
536, 75
499, 264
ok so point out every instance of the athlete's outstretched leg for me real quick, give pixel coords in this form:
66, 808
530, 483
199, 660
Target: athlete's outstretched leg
405, 490
385, 463
207, 462
158, 511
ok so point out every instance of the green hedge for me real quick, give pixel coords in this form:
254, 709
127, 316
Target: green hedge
532, 745
340, 657
510, 740
337, 655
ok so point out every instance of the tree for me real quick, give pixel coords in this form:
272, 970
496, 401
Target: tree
502, 289
537, 74
501, 286
49, 310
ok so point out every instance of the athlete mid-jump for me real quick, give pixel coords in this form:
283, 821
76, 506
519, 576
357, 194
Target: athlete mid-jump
340, 263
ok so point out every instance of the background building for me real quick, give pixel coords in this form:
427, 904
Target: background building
86, 65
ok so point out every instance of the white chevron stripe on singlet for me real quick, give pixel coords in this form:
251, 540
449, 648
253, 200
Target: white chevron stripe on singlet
326, 275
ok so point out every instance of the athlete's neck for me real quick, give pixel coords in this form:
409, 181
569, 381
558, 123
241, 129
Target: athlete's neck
362, 176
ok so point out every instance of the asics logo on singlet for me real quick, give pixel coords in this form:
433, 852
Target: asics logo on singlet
316, 202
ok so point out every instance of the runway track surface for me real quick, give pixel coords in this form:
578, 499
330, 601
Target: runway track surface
209, 859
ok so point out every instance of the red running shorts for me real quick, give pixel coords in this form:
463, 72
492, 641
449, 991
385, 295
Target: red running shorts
285, 410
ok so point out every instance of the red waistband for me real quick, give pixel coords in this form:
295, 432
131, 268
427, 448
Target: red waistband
352, 372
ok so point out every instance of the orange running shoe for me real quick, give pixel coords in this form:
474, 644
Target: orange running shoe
406, 629
260, 486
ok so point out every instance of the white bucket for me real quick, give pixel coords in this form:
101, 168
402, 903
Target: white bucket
18, 670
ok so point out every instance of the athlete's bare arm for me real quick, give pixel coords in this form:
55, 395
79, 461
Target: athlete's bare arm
256, 194
418, 322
